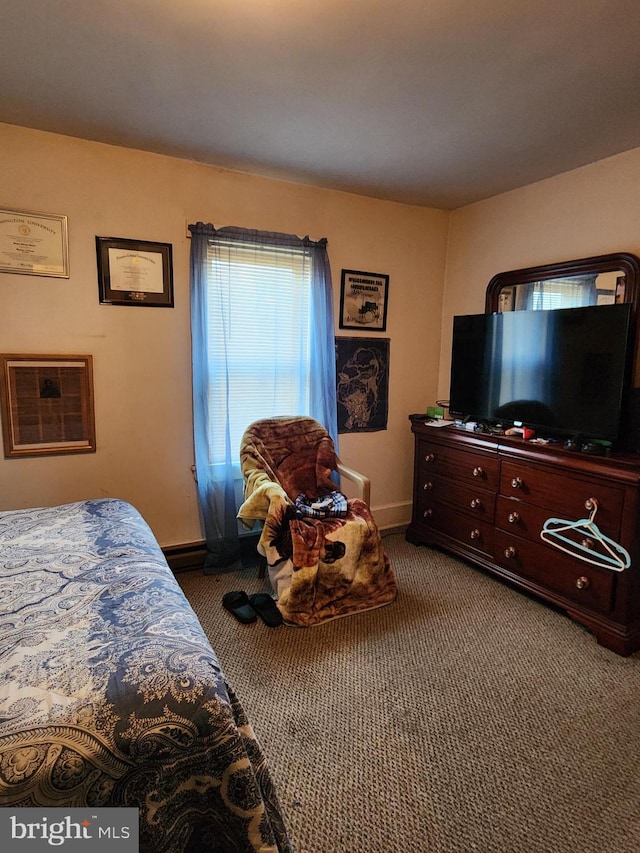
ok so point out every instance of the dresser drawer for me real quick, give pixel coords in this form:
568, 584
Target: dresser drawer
582, 583
461, 496
563, 496
520, 518
468, 532
483, 469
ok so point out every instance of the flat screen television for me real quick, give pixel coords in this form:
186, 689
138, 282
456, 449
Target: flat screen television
562, 372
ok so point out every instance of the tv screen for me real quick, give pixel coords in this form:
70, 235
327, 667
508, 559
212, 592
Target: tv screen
560, 371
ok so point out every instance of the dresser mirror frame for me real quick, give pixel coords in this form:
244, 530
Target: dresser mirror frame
627, 265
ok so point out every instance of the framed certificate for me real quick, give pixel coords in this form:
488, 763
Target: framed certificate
34, 243
134, 272
47, 404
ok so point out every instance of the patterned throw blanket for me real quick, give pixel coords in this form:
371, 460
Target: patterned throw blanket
320, 568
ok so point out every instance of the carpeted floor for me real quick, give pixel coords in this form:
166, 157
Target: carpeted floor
463, 717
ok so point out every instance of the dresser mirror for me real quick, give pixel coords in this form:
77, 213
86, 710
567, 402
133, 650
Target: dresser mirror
600, 280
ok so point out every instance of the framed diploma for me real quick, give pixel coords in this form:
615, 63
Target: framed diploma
47, 404
34, 243
134, 272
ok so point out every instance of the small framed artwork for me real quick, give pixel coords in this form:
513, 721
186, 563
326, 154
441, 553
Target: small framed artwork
34, 243
134, 272
363, 300
47, 404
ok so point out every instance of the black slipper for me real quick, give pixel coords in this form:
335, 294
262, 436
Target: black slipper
237, 603
266, 608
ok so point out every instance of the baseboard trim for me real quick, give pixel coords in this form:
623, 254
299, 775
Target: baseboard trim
393, 515
186, 557
398, 528
191, 555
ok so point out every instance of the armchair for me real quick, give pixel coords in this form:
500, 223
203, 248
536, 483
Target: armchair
322, 567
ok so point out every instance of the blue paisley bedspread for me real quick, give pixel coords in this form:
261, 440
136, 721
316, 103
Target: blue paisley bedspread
110, 693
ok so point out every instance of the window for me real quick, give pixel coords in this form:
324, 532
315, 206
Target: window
562, 293
258, 317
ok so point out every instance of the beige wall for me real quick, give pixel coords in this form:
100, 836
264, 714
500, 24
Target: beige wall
142, 373
593, 210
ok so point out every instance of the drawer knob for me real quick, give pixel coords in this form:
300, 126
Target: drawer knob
427, 513
516, 483
476, 503
478, 471
513, 517
591, 503
510, 552
583, 582
429, 457
475, 533
586, 543
428, 486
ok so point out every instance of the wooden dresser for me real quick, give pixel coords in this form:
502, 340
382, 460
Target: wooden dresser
486, 498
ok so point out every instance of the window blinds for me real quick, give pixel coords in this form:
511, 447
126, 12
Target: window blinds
258, 317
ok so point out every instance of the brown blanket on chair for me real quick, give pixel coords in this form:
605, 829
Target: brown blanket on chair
322, 568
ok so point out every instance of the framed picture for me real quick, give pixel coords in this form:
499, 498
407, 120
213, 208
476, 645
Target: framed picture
47, 404
135, 272
34, 243
363, 300
362, 384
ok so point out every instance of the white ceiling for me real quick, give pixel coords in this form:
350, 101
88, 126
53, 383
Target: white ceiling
430, 102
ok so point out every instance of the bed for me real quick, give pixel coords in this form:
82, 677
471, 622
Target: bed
110, 692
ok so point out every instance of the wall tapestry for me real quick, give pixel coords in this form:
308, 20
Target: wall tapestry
362, 384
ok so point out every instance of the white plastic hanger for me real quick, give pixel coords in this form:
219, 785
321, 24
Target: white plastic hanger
615, 557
